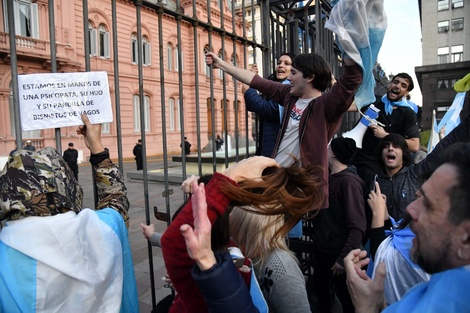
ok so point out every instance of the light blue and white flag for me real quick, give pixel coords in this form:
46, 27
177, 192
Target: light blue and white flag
434, 137
360, 27
452, 117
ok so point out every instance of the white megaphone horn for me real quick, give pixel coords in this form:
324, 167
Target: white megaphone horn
357, 133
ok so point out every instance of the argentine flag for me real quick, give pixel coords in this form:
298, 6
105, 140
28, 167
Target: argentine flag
434, 138
360, 27
452, 117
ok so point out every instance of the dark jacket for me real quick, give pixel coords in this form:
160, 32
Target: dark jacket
403, 121
137, 151
401, 188
270, 120
71, 157
340, 228
320, 120
223, 287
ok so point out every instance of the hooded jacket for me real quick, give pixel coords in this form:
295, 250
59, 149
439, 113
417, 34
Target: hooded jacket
340, 228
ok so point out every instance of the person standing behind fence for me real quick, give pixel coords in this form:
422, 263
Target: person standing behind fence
71, 156
137, 151
186, 146
218, 143
340, 228
268, 111
29, 146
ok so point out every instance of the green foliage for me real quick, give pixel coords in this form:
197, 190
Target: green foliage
424, 137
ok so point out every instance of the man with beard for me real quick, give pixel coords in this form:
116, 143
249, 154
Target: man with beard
398, 117
440, 219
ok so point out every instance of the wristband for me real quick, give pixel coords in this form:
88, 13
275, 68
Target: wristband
97, 158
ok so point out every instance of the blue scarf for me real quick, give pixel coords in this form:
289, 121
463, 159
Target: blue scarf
389, 105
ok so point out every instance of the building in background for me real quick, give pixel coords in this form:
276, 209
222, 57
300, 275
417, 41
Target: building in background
33, 51
446, 53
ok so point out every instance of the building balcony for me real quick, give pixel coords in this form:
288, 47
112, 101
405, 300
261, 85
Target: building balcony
25, 46
35, 49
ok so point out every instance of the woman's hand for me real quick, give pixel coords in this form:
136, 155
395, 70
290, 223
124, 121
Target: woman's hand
198, 240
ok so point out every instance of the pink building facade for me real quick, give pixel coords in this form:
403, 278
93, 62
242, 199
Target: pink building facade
168, 95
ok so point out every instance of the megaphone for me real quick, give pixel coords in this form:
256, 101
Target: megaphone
357, 133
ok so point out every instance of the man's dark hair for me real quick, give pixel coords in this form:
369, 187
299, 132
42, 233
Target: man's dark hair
396, 140
313, 65
458, 155
411, 85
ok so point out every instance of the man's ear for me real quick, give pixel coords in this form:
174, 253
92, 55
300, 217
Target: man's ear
463, 251
311, 78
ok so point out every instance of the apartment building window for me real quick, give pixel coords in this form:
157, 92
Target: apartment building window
103, 41
443, 26
207, 69
146, 49
171, 108
137, 126
169, 52
177, 65
442, 5
106, 128
26, 18
174, 107
442, 84
457, 53
457, 24
178, 114
443, 55
98, 40
92, 39
221, 73
457, 4
24, 134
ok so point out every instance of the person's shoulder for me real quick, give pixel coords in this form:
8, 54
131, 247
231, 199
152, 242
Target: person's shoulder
281, 260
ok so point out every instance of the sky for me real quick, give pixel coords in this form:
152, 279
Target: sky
401, 50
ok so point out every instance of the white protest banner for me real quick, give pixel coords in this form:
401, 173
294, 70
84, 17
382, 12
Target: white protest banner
58, 99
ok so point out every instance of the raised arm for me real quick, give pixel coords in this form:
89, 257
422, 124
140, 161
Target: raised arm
112, 192
243, 75
378, 204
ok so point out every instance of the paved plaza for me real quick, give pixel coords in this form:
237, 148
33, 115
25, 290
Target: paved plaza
138, 243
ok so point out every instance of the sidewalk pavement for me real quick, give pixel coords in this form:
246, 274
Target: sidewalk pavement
139, 245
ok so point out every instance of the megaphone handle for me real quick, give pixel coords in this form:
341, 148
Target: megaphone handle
373, 121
